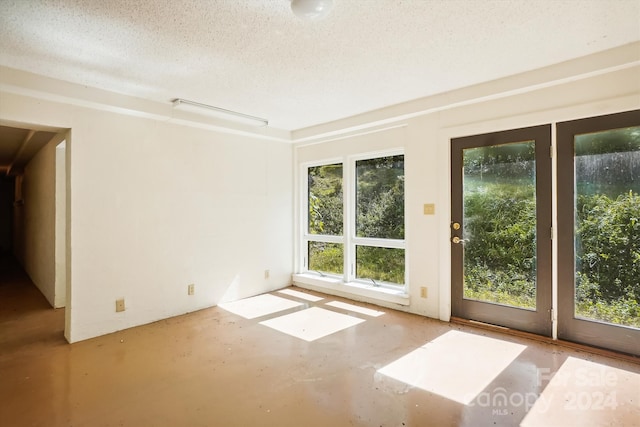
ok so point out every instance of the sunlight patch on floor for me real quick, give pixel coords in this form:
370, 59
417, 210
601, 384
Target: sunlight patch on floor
259, 306
456, 365
300, 295
584, 393
312, 323
355, 308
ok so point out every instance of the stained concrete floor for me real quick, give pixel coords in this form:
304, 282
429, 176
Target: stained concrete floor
225, 367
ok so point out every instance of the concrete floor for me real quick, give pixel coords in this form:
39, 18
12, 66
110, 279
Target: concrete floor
325, 364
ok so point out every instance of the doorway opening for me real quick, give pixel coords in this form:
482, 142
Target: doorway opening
33, 214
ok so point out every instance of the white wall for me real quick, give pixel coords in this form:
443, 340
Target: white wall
154, 206
426, 141
6, 216
60, 226
35, 249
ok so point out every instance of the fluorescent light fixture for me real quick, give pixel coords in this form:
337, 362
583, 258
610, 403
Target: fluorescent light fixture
221, 113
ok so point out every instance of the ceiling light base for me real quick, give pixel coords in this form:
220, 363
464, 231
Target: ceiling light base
311, 10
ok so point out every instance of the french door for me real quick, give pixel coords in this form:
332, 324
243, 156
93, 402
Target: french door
501, 245
599, 231
501, 228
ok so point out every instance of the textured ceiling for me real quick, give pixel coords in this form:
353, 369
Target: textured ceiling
256, 57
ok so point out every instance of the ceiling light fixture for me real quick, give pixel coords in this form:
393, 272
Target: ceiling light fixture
311, 10
222, 113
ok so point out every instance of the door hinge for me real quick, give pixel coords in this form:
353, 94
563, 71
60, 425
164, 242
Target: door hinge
553, 314
551, 233
551, 151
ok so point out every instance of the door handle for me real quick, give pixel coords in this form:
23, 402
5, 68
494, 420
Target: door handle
458, 240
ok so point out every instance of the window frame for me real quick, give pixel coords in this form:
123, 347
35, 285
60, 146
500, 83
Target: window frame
349, 240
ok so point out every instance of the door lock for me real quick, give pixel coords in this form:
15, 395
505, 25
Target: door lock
455, 226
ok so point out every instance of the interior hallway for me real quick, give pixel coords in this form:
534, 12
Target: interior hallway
326, 362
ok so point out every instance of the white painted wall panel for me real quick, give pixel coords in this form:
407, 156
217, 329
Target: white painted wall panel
155, 206
36, 249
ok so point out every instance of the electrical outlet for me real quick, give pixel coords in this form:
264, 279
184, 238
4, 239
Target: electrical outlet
266, 274
191, 289
423, 292
119, 305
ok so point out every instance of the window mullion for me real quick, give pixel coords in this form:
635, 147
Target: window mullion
303, 262
381, 243
323, 238
349, 219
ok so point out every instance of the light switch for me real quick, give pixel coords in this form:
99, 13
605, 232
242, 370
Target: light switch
429, 209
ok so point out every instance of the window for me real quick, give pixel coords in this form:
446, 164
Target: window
354, 215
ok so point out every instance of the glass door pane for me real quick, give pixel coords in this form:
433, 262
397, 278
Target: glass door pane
499, 217
607, 218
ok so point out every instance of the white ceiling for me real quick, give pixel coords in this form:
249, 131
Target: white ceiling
256, 57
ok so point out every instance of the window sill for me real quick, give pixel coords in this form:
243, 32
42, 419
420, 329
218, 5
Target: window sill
336, 284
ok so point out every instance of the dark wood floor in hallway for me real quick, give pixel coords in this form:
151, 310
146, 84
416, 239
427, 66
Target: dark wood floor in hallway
296, 358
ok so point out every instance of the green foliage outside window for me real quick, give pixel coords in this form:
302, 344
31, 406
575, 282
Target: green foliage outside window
380, 264
500, 257
500, 220
380, 197
608, 270
607, 242
326, 257
325, 200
